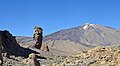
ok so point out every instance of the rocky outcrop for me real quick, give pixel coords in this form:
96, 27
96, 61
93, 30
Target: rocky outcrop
9, 43
98, 56
31, 60
38, 36
44, 47
1, 58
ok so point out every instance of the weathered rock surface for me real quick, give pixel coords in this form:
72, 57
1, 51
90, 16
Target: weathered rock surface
31, 60
38, 36
98, 56
44, 47
12, 47
11, 53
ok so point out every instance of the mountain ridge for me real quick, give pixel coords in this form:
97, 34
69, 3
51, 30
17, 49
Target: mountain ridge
79, 32
78, 38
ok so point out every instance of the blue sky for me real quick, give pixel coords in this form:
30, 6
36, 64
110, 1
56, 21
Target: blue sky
20, 16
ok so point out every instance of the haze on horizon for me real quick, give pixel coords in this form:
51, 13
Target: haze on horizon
20, 16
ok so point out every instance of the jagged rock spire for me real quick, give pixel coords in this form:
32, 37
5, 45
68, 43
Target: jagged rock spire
38, 36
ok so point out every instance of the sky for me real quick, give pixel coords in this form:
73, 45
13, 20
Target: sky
20, 16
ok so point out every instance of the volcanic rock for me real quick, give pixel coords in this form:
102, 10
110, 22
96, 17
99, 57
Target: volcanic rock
38, 36
11, 46
31, 60
98, 56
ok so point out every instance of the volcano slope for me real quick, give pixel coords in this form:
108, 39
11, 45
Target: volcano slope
71, 41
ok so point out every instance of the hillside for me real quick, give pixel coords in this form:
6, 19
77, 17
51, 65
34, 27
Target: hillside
98, 56
71, 41
88, 34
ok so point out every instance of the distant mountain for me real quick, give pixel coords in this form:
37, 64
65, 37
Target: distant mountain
88, 34
25, 41
73, 40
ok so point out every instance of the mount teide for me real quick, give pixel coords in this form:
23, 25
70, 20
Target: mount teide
73, 40
89, 35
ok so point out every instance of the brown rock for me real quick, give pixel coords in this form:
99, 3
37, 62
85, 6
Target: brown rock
38, 36
31, 60
54, 64
46, 48
98, 56
63, 64
42, 47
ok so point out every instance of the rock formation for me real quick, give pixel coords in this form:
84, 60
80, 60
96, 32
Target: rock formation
9, 43
31, 60
44, 47
1, 58
98, 56
38, 36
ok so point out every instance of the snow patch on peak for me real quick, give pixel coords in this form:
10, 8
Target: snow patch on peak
87, 25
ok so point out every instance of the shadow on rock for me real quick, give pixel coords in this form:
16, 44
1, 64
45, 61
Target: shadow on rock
11, 46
